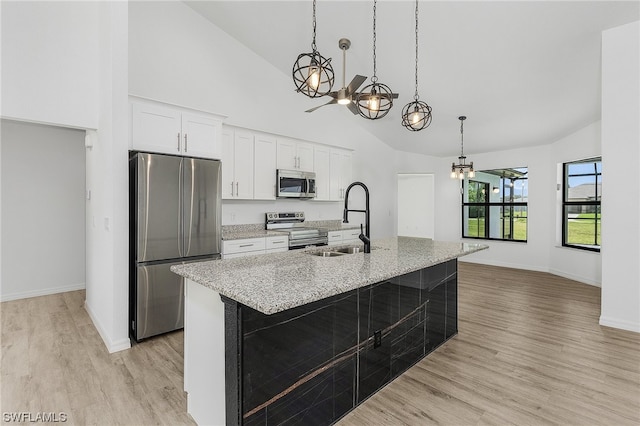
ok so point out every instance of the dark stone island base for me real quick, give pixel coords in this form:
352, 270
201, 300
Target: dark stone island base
315, 363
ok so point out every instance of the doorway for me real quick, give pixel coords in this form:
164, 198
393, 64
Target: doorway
416, 205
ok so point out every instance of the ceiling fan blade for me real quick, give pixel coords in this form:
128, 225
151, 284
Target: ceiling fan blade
352, 107
355, 84
332, 101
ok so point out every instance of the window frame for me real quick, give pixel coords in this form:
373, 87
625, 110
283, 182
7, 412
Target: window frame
597, 203
504, 205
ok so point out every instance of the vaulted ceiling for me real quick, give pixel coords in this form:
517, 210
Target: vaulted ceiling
524, 73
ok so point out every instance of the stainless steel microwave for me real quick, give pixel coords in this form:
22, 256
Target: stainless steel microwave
296, 184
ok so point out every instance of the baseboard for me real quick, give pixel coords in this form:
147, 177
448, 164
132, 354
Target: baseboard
505, 265
575, 277
42, 292
118, 345
621, 324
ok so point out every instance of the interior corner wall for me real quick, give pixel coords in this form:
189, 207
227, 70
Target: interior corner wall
42, 193
169, 42
620, 188
50, 62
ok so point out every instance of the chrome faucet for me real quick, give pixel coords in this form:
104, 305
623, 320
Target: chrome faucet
365, 237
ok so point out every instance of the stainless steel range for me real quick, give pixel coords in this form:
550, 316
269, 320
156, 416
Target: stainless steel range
300, 235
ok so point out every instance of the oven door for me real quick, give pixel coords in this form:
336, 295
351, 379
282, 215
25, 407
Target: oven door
292, 184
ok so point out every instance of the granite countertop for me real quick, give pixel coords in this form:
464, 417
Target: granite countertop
276, 282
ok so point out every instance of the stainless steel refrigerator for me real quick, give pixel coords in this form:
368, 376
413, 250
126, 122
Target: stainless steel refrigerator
175, 217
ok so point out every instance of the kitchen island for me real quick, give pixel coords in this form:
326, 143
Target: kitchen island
302, 338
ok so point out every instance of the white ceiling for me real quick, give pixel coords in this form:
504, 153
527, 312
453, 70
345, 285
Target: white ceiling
524, 73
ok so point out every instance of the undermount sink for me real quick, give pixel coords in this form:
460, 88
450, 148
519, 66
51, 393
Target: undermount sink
350, 250
338, 252
327, 253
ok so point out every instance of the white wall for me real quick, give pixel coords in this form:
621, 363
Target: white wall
416, 205
178, 57
42, 210
534, 255
621, 185
107, 298
580, 265
50, 62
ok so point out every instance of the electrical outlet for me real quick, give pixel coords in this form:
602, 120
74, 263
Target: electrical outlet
377, 339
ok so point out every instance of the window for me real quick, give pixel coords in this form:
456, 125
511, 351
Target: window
494, 205
581, 216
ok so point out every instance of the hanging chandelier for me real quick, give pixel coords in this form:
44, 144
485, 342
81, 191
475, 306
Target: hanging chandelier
376, 99
312, 73
416, 115
458, 170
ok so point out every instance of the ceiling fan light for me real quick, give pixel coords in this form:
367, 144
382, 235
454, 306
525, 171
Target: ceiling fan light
343, 99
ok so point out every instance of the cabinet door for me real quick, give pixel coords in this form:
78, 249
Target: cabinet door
345, 170
286, 151
304, 152
243, 165
336, 191
155, 128
201, 136
321, 166
264, 179
228, 184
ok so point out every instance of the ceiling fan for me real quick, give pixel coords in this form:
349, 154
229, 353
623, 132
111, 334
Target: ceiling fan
347, 94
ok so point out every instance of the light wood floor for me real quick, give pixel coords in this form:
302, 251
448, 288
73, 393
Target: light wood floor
529, 351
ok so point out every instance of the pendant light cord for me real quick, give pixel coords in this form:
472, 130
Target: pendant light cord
461, 138
416, 95
374, 78
313, 43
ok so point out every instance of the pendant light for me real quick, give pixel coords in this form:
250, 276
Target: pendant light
458, 170
376, 99
312, 73
416, 115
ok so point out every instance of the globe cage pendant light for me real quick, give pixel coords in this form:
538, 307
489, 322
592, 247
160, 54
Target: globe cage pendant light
376, 99
458, 170
416, 115
312, 73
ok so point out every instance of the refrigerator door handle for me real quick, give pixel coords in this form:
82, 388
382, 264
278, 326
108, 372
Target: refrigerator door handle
188, 221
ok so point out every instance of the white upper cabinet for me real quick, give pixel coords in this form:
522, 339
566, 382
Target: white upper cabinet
237, 164
162, 128
201, 136
264, 179
340, 173
294, 155
321, 166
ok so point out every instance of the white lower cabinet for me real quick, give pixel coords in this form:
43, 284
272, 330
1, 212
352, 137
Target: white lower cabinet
346, 236
244, 247
334, 238
276, 244
232, 249
350, 236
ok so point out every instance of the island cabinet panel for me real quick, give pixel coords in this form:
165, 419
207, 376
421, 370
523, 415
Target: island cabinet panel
315, 363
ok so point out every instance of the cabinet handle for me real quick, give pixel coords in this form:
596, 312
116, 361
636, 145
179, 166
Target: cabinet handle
277, 242
185, 142
237, 193
232, 189
178, 142
246, 245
